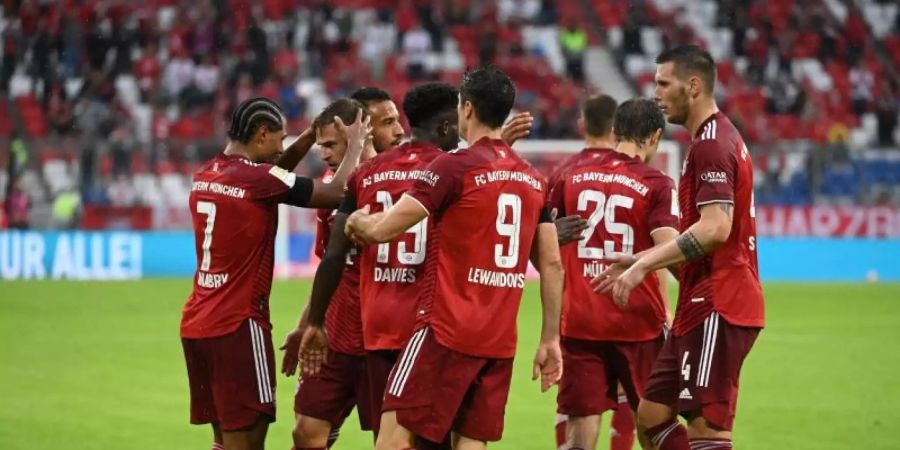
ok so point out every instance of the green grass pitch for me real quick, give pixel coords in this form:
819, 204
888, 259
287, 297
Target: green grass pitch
99, 366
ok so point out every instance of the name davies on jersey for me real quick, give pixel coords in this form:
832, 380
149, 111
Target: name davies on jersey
401, 175
211, 280
617, 178
395, 275
496, 176
496, 279
219, 188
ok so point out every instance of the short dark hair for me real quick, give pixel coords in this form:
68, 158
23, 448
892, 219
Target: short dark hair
637, 119
252, 114
344, 108
598, 112
491, 92
691, 60
370, 95
425, 102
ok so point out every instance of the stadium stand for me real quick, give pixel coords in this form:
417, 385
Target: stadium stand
118, 101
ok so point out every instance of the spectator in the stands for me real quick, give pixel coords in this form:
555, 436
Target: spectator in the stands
487, 43
147, 71
631, 36
416, 49
784, 96
178, 74
60, 115
17, 206
862, 82
887, 107
10, 54
574, 44
206, 80
405, 19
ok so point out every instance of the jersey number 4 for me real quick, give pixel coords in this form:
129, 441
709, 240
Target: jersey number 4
605, 210
209, 209
404, 255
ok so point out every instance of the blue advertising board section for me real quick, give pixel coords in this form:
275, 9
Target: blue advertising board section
130, 255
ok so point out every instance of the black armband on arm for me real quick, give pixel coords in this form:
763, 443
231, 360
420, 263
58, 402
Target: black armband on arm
545, 216
348, 204
690, 246
300, 193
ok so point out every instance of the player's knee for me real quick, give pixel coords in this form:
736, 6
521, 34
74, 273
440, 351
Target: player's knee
651, 414
309, 432
699, 428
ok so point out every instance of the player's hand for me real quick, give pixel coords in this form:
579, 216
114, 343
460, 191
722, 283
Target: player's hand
356, 133
569, 228
626, 282
313, 350
517, 128
353, 226
618, 264
548, 364
291, 348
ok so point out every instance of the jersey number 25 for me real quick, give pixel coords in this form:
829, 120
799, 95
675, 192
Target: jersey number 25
605, 210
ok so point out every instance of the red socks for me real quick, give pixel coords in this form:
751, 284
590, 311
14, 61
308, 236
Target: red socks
711, 444
218, 446
669, 435
621, 427
561, 421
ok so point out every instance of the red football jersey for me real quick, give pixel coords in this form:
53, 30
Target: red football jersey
718, 169
392, 272
624, 200
582, 157
485, 203
234, 210
342, 320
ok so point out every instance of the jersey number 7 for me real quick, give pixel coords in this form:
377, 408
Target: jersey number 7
209, 209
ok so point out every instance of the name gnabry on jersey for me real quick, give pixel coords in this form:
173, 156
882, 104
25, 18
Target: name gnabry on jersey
401, 175
219, 188
617, 178
496, 279
211, 280
508, 175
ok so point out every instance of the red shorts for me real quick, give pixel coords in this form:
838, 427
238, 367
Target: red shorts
232, 377
435, 390
699, 372
331, 394
594, 369
379, 364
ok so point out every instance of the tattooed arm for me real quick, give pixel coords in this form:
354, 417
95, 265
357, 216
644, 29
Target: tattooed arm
703, 237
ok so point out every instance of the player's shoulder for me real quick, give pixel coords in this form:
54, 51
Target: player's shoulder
718, 132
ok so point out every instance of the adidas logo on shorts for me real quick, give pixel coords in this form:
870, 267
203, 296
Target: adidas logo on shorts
685, 394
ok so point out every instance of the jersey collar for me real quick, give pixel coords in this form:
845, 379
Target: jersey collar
709, 119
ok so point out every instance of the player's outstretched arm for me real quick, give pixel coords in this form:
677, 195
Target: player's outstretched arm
314, 345
383, 227
701, 239
328, 195
546, 259
297, 150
